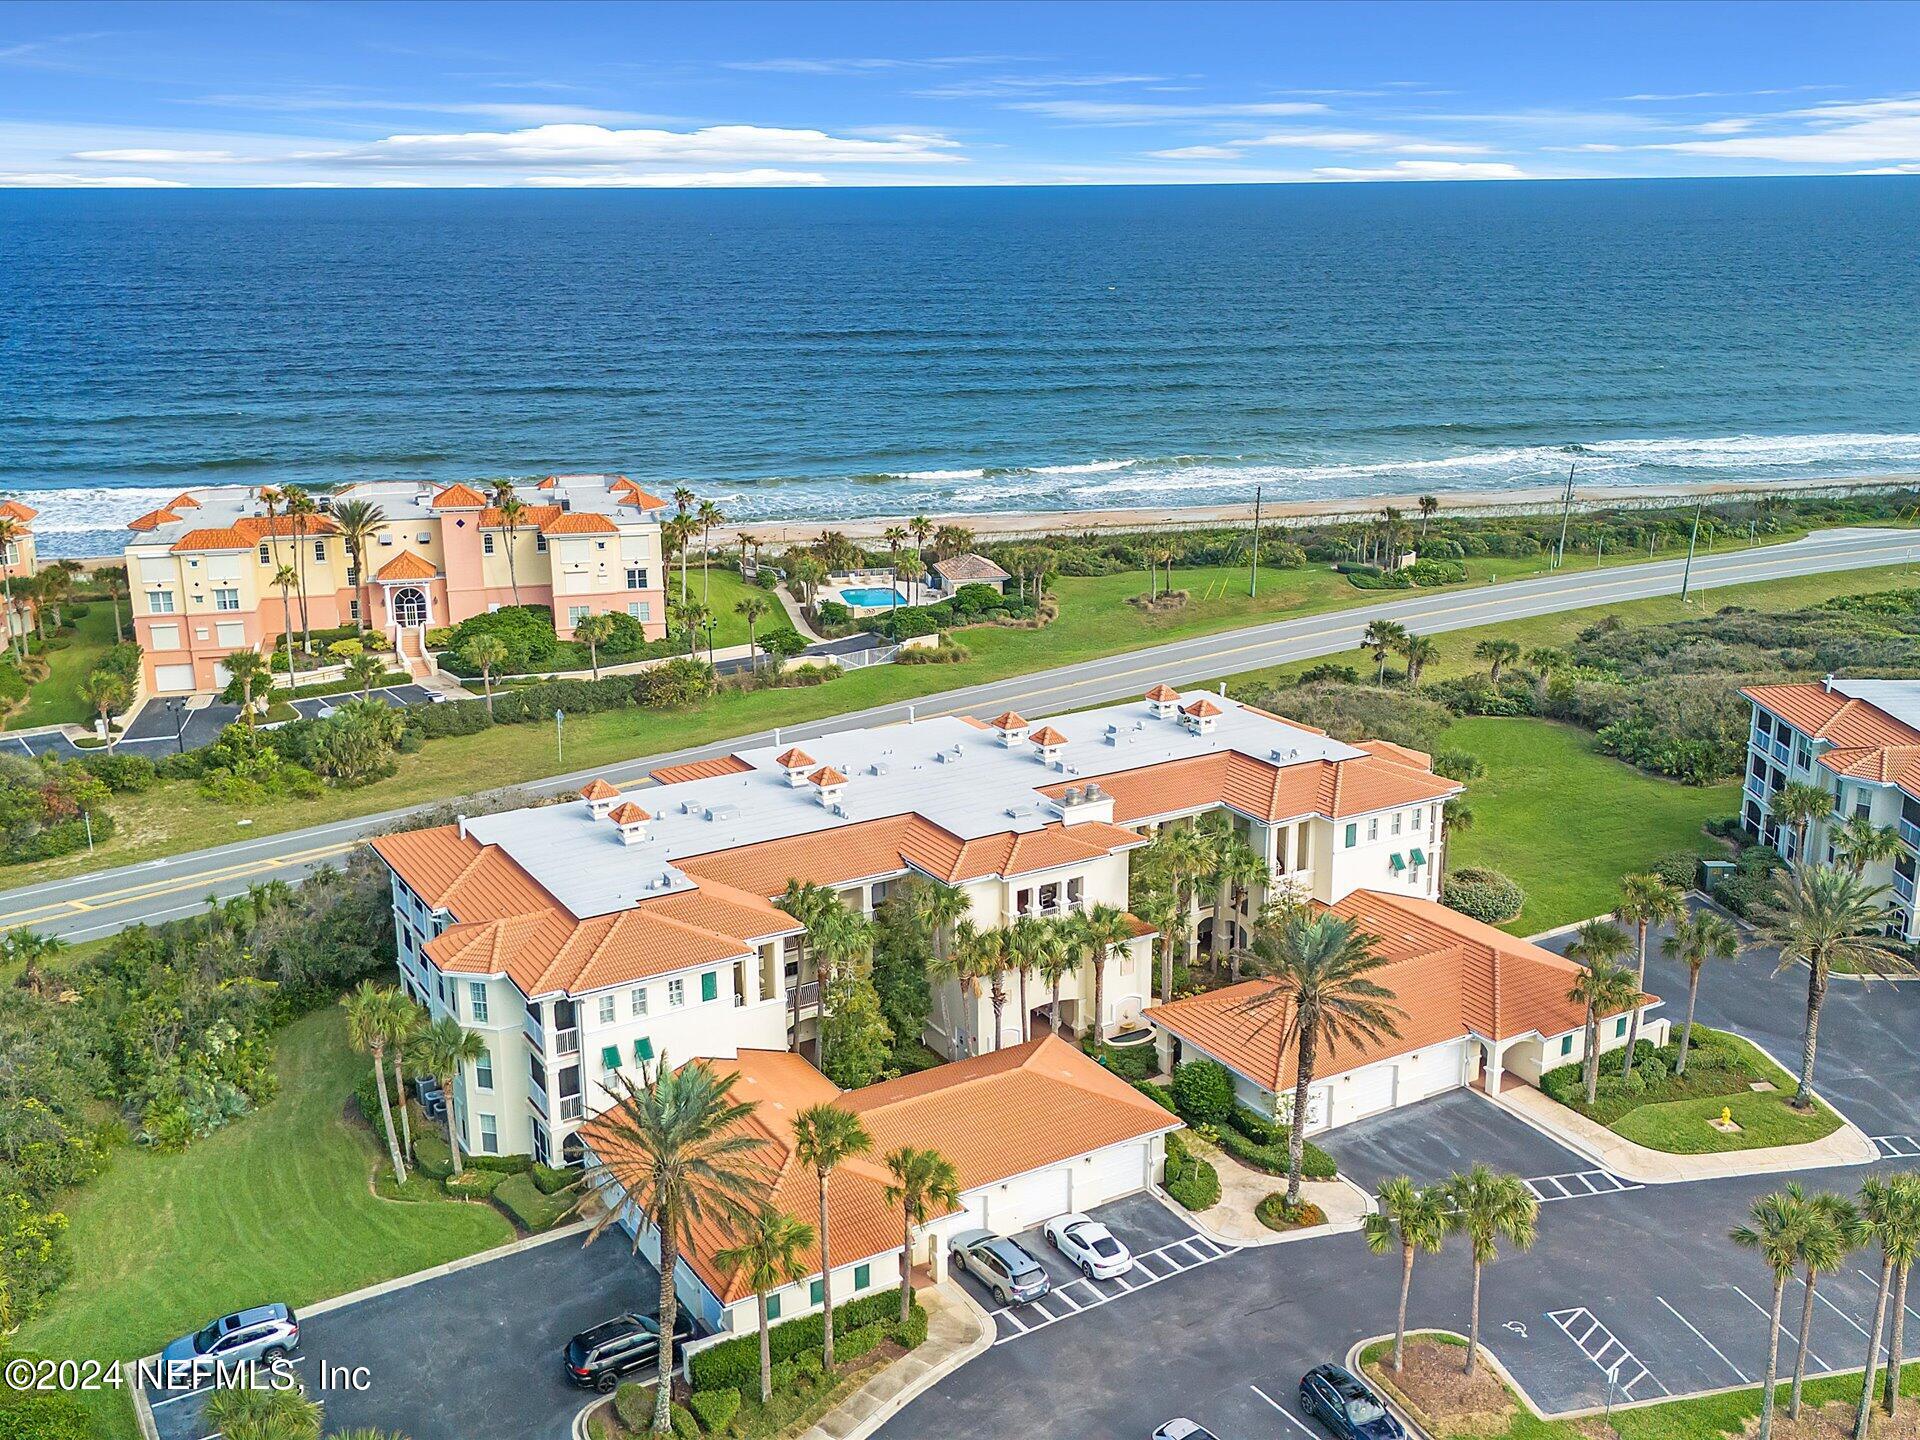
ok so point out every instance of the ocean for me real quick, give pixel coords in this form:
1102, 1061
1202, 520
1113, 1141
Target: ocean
835, 353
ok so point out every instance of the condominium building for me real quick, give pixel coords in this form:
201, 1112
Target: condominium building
202, 569
1858, 740
18, 561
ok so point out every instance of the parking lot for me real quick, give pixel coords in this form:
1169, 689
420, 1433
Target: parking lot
471, 1355
155, 730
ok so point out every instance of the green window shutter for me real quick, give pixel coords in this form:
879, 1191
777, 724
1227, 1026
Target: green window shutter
1353, 835
862, 1276
1620, 1026
610, 1056
1396, 864
814, 1293
773, 1306
710, 985
642, 1050
1419, 857
1566, 1044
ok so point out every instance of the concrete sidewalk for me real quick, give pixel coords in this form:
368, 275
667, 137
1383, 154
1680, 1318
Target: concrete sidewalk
1232, 1220
1848, 1145
958, 1330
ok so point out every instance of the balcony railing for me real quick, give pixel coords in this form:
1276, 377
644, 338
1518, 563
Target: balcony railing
1902, 889
567, 1042
1758, 796
809, 997
539, 1098
572, 1107
1779, 750
1910, 832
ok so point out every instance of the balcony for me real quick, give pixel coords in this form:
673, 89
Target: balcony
539, 1099
572, 1107
807, 999
1903, 889
1910, 833
567, 1042
1778, 749
1759, 797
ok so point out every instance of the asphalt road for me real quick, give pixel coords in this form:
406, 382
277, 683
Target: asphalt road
85, 906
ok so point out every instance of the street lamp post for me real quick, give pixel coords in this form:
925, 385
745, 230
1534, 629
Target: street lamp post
178, 709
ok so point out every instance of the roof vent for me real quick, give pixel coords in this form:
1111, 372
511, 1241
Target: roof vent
723, 812
1072, 796
1094, 792
879, 767
1292, 752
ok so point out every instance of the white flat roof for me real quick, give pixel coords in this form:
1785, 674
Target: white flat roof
945, 770
1899, 698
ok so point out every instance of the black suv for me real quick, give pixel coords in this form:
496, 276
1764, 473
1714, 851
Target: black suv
1347, 1405
599, 1358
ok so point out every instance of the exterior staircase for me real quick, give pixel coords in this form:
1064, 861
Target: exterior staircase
413, 652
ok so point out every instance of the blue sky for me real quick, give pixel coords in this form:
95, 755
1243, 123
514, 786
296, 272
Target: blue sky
874, 94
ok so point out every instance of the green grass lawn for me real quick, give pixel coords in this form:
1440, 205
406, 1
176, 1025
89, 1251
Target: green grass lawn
1680, 1127
1566, 821
276, 1206
1726, 1416
56, 699
720, 590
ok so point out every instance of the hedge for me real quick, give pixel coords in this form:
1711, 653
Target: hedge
714, 1409
430, 1153
1129, 1062
1485, 895
735, 1363
504, 1164
1191, 1181
531, 1207
474, 1184
42, 1415
1203, 1092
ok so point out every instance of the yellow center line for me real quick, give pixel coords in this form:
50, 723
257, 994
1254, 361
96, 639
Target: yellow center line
157, 889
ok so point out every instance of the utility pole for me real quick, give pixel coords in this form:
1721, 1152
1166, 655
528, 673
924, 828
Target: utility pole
1686, 575
559, 740
1253, 571
1566, 513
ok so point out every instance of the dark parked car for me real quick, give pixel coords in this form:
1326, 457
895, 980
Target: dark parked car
1013, 1275
1347, 1405
600, 1358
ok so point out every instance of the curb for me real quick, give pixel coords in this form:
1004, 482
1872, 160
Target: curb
982, 1342
451, 1267
1277, 1237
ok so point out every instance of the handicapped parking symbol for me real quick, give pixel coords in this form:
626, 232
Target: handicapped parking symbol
1517, 1328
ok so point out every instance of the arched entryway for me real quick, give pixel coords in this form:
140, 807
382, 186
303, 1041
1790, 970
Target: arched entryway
410, 606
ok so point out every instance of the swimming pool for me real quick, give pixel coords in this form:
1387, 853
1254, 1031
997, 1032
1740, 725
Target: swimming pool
872, 596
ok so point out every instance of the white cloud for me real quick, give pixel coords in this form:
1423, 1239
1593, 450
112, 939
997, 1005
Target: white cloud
510, 111
802, 65
547, 145
1197, 152
1731, 126
47, 181
1909, 169
1324, 140
994, 87
684, 179
160, 157
1427, 170
1120, 112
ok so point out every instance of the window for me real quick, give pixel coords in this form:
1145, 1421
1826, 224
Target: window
1566, 1044
226, 599
862, 1277
606, 1009
266, 553
160, 602
813, 1293
353, 575
353, 606
676, 993
537, 1071
576, 613
1619, 1027
477, 999
489, 1135
636, 577
1076, 890
1373, 828
773, 1306
642, 1050
483, 1072
710, 985
539, 542
164, 637
641, 610
1396, 822
1353, 836
319, 549
1023, 902
486, 542
638, 1000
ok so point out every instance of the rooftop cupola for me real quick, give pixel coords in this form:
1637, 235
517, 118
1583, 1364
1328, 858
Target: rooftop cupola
1010, 727
1164, 700
600, 797
1199, 717
829, 785
1050, 743
795, 764
630, 822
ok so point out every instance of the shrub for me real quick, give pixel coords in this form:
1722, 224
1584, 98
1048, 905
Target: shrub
1437, 572
1485, 895
735, 1364
525, 630
1129, 1062
43, 1415
1189, 1180
863, 1341
430, 1151
634, 1405
714, 1409
1273, 1213
123, 774
551, 1181
1155, 1092
673, 685
504, 1164
1203, 1092
1682, 868
1652, 1071
531, 1208
1355, 712
473, 1184
912, 1332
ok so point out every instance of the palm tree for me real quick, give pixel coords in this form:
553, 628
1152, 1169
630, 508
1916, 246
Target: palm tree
513, 514
1161, 909
1415, 1220
1456, 817
683, 499
707, 516
823, 1136
106, 691
594, 631
1602, 987
1058, 951
248, 669
300, 510
1320, 964
1834, 1231
1797, 805
1776, 1229
1107, 930
922, 1179
809, 905
912, 569
772, 1251
366, 671
272, 499
1892, 1217
920, 527
1488, 1208
262, 1412
367, 1031
970, 960
444, 1047
1383, 638
1420, 652
1824, 917
483, 652
678, 1149
1183, 855
988, 961
56, 588
695, 616
895, 536
1860, 843
1693, 941
1645, 901
359, 522
401, 1020
284, 579
1235, 864
752, 609
1498, 654
677, 535
1429, 507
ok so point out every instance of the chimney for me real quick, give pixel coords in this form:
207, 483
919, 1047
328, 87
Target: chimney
830, 786
1011, 727
1049, 742
600, 797
630, 821
1165, 700
795, 764
1199, 717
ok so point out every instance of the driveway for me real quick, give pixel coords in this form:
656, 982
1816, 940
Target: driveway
473, 1355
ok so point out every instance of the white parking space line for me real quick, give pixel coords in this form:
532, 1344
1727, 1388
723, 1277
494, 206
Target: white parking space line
1577, 1185
1746, 1378
1874, 1280
1297, 1421
1820, 1296
207, 1388
1169, 1255
1610, 1354
1792, 1339
1898, 1147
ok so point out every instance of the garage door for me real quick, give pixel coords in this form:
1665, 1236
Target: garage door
1112, 1173
1026, 1202
1365, 1092
1430, 1072
172, 679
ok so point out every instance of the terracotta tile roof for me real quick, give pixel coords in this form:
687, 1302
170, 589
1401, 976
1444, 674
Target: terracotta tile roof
226, 537
969, 570
152, 520
551, 482
407, 565
1402, 754
14, 510
257, 527
1828, 715
597, 789
827, 775
794, 759
1047, 735
1163, 693
458, 497
644, 500
701, 769
1200, 707
532, 517
1333, 788
579, 522
628, 813
1451, 975
183, 501
1008, 720
1054, 1102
